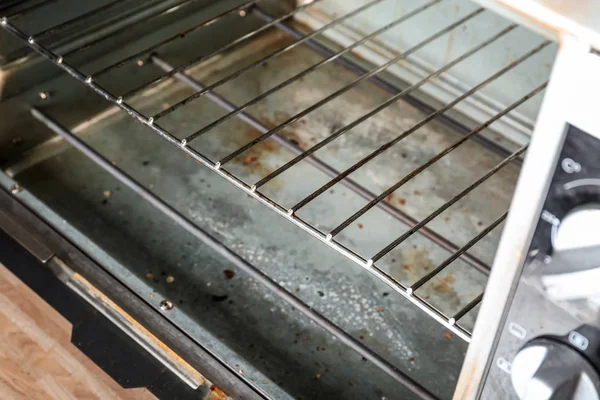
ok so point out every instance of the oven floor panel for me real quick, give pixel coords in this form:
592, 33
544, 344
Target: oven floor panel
270, 337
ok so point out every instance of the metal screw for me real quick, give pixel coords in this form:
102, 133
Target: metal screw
44, 95
166, 305
16, 188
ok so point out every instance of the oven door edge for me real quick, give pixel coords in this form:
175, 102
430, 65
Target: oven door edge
185, 358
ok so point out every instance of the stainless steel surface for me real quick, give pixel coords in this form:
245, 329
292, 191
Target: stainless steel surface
20, 234
270, 284
439, 197
367, 263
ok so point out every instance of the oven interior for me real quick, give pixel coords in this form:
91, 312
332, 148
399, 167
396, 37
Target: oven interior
362, 154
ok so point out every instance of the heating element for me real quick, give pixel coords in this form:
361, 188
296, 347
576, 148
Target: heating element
351, 174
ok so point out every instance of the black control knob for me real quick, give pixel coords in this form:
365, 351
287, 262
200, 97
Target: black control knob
550, 370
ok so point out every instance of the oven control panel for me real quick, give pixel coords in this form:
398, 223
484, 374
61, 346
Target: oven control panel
549, 347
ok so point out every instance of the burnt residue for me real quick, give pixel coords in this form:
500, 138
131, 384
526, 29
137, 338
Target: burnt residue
229, 274
219, 298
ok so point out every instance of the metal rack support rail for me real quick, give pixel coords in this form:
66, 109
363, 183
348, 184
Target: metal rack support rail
382, 83
327, 169
368, 265
220, 50
295, 44
232, 257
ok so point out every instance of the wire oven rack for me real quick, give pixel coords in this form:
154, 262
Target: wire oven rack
37, 41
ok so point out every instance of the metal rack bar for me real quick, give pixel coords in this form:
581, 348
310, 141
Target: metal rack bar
360, 79
434, 159
305, 72
448, 204
30, 8
326, 168
423, 122
384, 84
457, 254
125, 28
234, 258
358, 121
468, 307
264, 59
220, 50
170, 39
361, 261
79, 18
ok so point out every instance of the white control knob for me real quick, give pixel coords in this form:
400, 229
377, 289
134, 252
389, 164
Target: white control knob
579, 229
548, 370
574, 268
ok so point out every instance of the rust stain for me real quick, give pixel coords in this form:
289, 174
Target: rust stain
392, 198
141, 329
444, 285
216, 393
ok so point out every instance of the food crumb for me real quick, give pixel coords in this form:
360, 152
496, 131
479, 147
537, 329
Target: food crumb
448, 335
379, 309
208, 284
107, 193
250, 159
149, 275
170, 279
360, 226
411, 359
264, 382
402, 200
229, 273
318, 376
446, 218
297, 290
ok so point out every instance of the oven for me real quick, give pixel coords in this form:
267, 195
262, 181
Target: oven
370, 199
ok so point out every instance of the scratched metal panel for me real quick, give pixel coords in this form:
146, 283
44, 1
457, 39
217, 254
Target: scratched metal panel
491, 99
281, 352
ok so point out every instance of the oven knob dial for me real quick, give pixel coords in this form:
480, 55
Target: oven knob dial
580, 228
573, 270
548, 370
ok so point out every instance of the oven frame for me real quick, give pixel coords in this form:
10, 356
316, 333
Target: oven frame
500, 284
571, 99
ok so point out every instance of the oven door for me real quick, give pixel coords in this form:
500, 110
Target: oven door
537, 333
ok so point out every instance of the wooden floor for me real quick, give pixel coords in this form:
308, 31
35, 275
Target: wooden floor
37, 359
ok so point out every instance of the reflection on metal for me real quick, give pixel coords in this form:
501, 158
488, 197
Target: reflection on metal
127, 324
